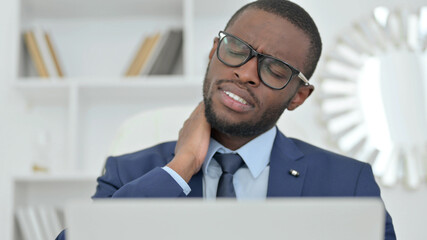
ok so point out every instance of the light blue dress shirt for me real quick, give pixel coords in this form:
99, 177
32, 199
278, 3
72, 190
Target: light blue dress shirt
249, 182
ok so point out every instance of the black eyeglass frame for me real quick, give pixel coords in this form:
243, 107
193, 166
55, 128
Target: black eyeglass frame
260, 57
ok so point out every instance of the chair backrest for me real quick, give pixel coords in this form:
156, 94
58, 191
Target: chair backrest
163, 124
149, 128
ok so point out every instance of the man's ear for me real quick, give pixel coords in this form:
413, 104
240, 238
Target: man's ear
301, 95
215, 45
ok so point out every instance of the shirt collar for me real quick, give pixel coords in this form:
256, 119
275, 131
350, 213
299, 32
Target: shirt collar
255, 154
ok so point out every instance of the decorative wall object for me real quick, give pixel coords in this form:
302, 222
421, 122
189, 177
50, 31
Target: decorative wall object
373, 86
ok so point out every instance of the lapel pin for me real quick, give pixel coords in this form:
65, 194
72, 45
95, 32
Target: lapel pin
294, 173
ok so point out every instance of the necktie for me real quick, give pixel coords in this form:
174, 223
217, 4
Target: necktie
229, 163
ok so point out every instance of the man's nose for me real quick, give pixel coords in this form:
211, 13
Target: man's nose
248, 72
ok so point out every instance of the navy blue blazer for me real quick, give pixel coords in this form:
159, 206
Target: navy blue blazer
321, 174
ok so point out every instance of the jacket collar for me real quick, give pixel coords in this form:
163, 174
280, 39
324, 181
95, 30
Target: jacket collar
285, 157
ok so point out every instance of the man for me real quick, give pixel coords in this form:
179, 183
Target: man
259, 66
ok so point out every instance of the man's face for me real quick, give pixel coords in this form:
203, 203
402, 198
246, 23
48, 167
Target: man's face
237, 102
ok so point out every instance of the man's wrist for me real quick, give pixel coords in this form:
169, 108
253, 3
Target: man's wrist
185, 187
184, 166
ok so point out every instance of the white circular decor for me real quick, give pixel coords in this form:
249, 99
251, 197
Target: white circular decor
373, 86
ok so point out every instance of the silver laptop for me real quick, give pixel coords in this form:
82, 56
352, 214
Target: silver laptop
289, 218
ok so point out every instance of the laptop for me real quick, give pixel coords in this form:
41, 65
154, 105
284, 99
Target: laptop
281, 218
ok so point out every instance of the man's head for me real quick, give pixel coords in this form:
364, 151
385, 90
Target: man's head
298, 17
238, 102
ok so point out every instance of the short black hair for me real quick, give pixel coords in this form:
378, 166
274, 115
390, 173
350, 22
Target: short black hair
295, 15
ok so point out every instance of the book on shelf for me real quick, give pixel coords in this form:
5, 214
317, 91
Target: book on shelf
143, 55
155, 53
165, 61
53, 54
158, 55
42, 53
49, 221
24, 223
29, 224
35, 54
38, 222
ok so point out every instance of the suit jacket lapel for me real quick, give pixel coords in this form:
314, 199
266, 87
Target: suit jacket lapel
285, 156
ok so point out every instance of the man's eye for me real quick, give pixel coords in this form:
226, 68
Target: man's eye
236, 53
276, 71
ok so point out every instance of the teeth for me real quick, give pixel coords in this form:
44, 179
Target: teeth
235, 97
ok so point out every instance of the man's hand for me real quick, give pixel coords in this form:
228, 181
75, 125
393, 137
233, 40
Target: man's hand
192, 145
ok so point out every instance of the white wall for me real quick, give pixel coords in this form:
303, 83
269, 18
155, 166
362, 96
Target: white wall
406, 207
14, 145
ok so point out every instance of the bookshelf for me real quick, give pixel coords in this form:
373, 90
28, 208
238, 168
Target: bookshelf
35, 194
95, 41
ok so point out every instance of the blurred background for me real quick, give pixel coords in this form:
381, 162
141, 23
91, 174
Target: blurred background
81, 80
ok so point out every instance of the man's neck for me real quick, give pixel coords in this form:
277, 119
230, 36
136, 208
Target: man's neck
230, 142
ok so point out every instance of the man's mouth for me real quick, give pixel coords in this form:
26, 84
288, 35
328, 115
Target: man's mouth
236, 97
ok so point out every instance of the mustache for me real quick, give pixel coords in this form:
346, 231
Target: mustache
242, 85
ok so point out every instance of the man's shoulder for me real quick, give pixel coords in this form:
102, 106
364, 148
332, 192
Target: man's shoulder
317, 155
333, 174
133, 165
161, 153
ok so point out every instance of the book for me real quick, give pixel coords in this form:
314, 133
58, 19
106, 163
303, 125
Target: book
29, 223
53, 55
167, 58
44, 51
35, 54
44, 224
35, 223
49, 221
143, 48
151, 47
23, 223
157, 49
143, 55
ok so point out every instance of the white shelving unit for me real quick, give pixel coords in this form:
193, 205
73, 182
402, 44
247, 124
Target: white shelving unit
50, 192
96, 40
82, 98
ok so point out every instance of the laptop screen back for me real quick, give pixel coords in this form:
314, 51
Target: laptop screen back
289, 218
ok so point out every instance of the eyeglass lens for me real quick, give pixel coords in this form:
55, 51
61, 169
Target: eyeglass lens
234, 52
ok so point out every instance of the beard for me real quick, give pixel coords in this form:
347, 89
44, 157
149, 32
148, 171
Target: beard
251, 128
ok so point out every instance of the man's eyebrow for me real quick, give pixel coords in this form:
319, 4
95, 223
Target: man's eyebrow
275, 53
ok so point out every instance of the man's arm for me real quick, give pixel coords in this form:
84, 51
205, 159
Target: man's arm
190, 152
192, 145
155, 183
367, 186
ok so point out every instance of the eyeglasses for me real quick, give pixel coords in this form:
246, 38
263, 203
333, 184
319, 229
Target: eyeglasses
275, 73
